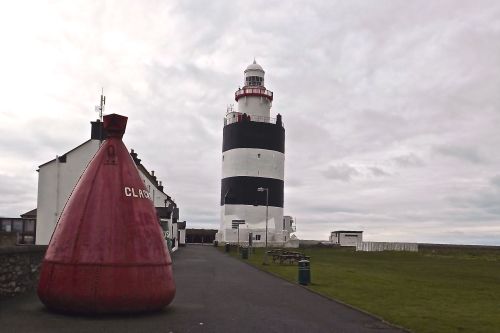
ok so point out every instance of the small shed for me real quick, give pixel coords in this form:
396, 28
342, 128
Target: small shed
346, 237
200, 235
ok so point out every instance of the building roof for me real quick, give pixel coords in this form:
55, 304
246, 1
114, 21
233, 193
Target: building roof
152, 178
193, 231
31, 213
350, 231
63, 156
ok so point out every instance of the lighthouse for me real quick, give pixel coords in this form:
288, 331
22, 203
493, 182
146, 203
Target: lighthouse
253, 165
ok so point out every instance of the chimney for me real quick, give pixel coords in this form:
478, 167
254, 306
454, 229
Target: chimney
134, 157
97, 131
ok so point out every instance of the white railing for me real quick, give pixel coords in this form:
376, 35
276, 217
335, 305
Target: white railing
253, 91
234, 117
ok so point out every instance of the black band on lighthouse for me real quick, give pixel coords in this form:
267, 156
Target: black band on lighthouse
243, 191
253, 134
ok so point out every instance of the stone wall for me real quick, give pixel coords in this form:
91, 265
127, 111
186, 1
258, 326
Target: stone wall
20, 268
8, 239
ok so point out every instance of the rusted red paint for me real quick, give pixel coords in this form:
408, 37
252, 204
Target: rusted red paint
107, 254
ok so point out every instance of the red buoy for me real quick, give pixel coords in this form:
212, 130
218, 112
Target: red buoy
107, 253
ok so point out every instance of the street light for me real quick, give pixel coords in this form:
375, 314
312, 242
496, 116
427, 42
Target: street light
262, 189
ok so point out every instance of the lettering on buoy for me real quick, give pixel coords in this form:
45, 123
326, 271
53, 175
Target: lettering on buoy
136, 193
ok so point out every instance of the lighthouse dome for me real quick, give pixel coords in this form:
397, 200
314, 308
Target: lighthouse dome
254, 67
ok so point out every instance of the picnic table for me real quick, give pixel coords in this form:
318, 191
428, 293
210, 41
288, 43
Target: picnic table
283, 256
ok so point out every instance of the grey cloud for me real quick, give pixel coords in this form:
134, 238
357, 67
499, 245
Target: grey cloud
489, 201
481, 204
342, 172
409, 160
469, 154
293, 182
18, 197
378, 172
496, 181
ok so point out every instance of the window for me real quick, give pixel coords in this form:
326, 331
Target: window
254, 81
17, 226
257, 237
6, 226
29, 226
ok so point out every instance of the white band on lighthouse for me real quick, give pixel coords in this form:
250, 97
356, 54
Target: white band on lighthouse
253, 162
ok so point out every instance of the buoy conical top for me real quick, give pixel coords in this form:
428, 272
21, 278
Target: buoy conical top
107, 253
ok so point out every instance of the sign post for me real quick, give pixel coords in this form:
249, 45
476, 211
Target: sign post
235, 224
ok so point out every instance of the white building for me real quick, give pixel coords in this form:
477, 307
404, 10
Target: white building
253, 168
346, 238
58, 177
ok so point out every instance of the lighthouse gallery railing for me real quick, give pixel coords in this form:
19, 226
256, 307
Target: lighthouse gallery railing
234, 117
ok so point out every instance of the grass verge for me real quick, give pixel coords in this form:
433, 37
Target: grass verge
434, 290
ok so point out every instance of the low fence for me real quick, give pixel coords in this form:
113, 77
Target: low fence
20, 268
386, 246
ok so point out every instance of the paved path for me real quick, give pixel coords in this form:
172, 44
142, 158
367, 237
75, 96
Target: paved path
215, 293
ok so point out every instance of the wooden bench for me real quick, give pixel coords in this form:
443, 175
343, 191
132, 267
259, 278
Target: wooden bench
282, 256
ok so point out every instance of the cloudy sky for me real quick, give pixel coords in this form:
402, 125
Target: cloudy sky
391, 108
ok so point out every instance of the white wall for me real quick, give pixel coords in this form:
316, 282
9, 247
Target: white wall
255, 105
182, 237
246, 162
346, 238
157, 196
349, 239
173, 234
56, 181
255, 219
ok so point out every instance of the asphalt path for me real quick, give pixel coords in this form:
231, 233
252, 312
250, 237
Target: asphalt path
215, 293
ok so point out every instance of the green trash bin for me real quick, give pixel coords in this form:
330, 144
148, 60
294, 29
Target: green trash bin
304, 272
244, 253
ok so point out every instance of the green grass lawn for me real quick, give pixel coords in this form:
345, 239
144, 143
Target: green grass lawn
434, 290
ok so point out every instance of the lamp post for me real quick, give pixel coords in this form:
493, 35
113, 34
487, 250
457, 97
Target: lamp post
262, 189
224, 231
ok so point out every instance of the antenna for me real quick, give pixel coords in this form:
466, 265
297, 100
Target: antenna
100, 108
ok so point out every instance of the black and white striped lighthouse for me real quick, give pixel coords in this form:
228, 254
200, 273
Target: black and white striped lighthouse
253, 163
